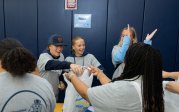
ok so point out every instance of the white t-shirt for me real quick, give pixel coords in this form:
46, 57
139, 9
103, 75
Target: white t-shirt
171, 99
119, 96
29, 93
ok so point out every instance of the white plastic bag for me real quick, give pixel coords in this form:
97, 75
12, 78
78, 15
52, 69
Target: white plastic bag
171, 100
73, 101
118, 71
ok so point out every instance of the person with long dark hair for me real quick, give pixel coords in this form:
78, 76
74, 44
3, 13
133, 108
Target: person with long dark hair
138, 89
20, 90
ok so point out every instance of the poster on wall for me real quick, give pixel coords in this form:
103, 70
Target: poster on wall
70, 4
82, 20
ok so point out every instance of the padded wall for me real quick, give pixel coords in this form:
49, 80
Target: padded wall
121, 13
95, 36
53, 18
1, 20
164, 16
21, 22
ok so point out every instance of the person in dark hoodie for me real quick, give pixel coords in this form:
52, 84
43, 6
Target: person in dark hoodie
51, 62
81, 57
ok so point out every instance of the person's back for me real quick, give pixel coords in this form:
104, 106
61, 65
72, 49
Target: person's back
20, 89
120, 96
28, 93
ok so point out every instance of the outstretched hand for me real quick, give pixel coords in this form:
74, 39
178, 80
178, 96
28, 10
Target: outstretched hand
95, 71
149, 36
76, 68
172, 87
69, 75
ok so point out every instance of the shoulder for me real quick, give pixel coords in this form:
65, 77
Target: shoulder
37, 80
118, 87
36, 77
69, 58
117, 91
90, 55
61, 56
43, 55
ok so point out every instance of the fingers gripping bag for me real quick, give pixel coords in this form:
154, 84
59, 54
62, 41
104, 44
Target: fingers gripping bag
171, 100
73, 101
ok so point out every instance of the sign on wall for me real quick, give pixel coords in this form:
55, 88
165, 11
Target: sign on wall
70, 4
82, 20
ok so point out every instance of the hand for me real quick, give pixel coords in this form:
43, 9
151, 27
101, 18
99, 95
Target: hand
76, 68
61, 85
172, 87
149, 36
95, 71
128, 31
69, 75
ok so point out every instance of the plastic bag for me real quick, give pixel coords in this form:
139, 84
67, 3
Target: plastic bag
171, 100
73, 101
118, 71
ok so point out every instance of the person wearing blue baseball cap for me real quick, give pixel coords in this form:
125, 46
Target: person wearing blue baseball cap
51, 62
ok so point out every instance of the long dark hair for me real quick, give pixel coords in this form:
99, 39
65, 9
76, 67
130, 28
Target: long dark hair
143, 60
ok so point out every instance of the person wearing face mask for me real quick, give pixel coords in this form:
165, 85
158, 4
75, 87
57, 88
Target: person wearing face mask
51, 62
81, 57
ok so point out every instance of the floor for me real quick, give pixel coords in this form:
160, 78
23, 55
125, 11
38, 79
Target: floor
58, 107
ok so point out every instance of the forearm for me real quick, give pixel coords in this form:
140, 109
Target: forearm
173, 87
80, 87
103, 78
173, 75
57, 65
119, 56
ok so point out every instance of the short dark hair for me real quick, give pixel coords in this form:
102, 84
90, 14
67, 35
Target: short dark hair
14, 58
18, 61
8, 44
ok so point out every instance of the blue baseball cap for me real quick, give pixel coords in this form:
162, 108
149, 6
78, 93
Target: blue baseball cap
56, 40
